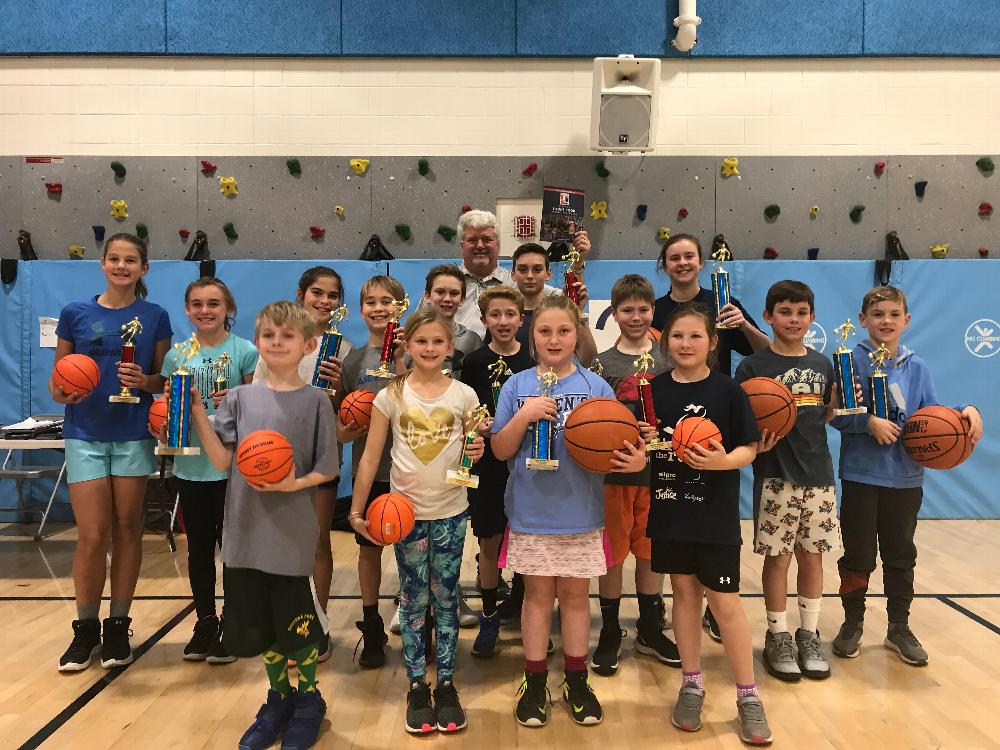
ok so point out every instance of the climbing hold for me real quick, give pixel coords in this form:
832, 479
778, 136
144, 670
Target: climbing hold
663, 234
447, 232
602, 171
985, 210
230, 230
683, 213
119, 209
119, 169
771, 212
985, 164
208, 168
813, 210
879, 168
812, 253
227, 186
359, 166
403, 230
599, 210
423, 167
856, 213
76, 251
184, 232
54, 188
940, 250
984, 252
98, 232
529, 171
294, 167
317, 233
199, 247
640, 211
770, 253
465, 209
731, 167
920, 187
339, 210
24, 245
142, 231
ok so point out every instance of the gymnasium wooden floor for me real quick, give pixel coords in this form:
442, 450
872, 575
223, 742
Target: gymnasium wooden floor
160, 701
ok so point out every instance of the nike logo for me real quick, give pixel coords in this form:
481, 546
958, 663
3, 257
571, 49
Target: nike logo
576, 709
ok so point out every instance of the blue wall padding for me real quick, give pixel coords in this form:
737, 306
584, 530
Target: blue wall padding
445, 28
253, 27
780, 28
917, 27
937, 332
592, 28
82, 27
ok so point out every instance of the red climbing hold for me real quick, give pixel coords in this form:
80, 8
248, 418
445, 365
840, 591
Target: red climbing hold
184, 232
770, 253
465, 208
985, 210
208, 168
682, 214
317, 233
54, 188
984, 252
879, 168
529, 171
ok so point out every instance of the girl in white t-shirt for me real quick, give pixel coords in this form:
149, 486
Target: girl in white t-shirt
427, 412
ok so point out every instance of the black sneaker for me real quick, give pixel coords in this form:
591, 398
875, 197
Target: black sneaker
86, 644
656, 644
450, 716
205, 632
579, 696
503, 588
711, 625
116, 651
374, 637
661, 614
420, 716
509, 611
218, 653
533, 700
604, 660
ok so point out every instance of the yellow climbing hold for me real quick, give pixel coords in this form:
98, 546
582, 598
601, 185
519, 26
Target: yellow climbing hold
119, 209
227, 186
731, 167
663, 233
339, 210
940, 250
75, 251
813, 210
360, 166
599, 210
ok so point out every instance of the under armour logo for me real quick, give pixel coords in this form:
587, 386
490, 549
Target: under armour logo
725, 579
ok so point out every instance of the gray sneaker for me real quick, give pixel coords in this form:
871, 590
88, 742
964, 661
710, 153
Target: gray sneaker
753, 723
901, 640
780, 658
687, 711
466, 617
847, 644
811, 658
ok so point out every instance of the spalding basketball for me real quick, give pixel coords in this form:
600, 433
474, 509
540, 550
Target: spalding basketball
158, 413
390, 518
264, 456
691, 430
595, 429
76, 373
935, 437
357, 408
772, 403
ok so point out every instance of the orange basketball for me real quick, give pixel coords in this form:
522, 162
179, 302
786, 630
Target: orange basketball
357, 408
935, 438
158, 412
691, 430
772, 403
265, 456
390, 518
595, 429
76, 373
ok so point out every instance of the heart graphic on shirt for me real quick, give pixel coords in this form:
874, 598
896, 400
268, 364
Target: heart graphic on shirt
426, 434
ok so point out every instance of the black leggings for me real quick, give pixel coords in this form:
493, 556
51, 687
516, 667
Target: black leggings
202, 507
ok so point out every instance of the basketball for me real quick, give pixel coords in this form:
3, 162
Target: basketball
76, 373
595, 429
158, 413
691, 430
390, 518
357, 408
935, 438
265, 456
772, 403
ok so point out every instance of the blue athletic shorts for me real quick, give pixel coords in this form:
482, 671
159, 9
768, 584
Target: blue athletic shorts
93, 459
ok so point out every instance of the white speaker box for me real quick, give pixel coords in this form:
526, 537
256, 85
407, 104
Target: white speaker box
624, 104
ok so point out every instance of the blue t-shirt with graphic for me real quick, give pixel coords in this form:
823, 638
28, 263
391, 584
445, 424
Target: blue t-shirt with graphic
569, 500
95, 330
242, 360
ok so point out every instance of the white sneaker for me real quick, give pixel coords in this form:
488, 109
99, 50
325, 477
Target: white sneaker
466, 617
394, 627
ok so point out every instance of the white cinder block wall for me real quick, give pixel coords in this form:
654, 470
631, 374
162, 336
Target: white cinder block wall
169, 106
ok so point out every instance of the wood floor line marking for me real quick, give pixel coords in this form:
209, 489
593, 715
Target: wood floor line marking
970, 614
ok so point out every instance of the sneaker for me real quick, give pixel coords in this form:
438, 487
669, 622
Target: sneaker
303, 727
510, 610
604, 660
658, 645
847, 644
780, 657
551, 648
711, 625
450, 716
687, 710
486, 640
420, 717
579, 696
324, 648
753, 723
466, 617
533, 700
374, 637
811, 659
86, 644
201, 641
394, 626
218, 653
271, 720
901, 640
116, 651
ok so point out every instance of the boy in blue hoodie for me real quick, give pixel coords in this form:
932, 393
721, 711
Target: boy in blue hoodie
881, 486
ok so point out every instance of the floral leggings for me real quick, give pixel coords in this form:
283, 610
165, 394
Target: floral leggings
429, 561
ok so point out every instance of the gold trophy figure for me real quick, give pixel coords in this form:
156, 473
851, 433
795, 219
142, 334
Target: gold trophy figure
329, 347
388, 342
843, 367
179, 403
220, 369
463, 476
597, 368
541, 444
879, 382
720, 281
497, 370
129, 331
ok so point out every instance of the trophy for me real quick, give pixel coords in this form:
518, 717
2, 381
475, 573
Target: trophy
597, 368
571, 278
642, 366
720, 281
497, 370
879, 382
220, 369
843, 367
329, 347
541, 444
179, 403
129, 331
463, 476
383, 370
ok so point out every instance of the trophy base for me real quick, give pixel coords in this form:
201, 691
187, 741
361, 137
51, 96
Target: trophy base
166, 450
462, 480
725, 327
123, 399
845, 412
383, 372
658, 445
541, 464
327, 391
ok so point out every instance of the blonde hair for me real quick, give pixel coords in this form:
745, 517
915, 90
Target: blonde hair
500, 292
554, 302
286, 313
884, 293
422, 317
388, 283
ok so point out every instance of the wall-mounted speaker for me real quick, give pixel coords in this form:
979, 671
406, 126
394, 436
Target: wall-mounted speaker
624, 104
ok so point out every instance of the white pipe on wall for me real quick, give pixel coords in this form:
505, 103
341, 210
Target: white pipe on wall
687, 26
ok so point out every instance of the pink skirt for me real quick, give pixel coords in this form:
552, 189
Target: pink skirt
583, 555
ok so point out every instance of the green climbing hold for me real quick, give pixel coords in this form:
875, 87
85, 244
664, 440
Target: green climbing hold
403, 230
772, 211
602, 171
856, 213
142, 231
230, 230
985, 164
423, 166
294, 167
447, 232
119, 169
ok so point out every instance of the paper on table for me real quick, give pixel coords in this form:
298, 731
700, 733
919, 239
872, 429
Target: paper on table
47, 332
